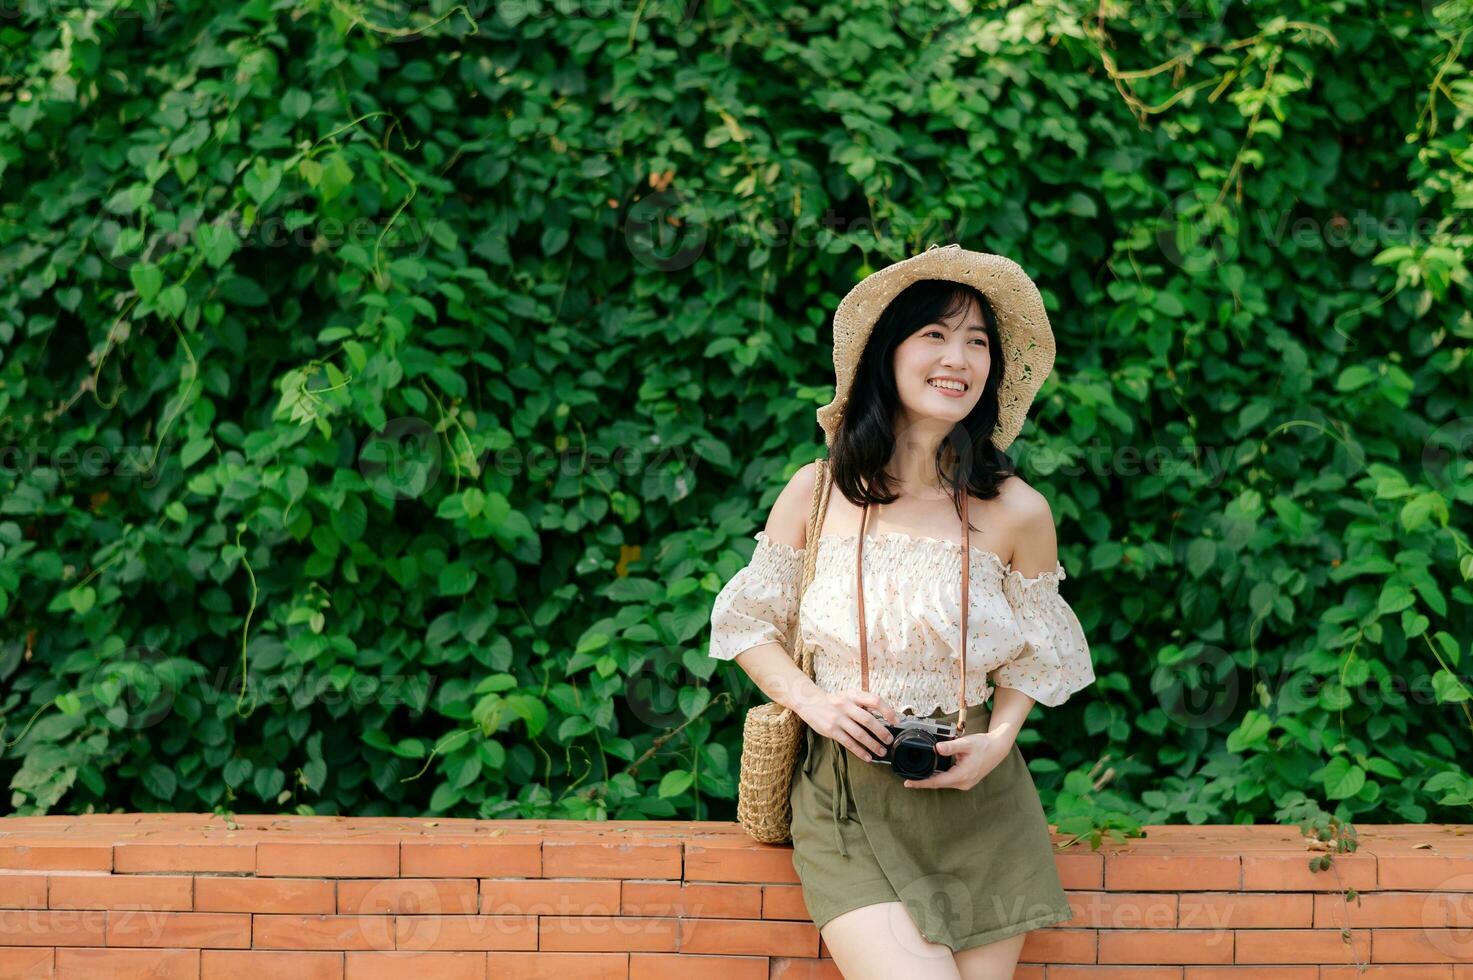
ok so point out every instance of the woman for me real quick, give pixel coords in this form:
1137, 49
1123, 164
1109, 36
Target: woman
936, 360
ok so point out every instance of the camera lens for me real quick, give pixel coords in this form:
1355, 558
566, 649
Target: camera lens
913, 755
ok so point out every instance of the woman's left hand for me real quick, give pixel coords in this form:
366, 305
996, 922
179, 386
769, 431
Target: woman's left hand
972, 758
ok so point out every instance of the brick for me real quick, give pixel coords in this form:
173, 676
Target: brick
784, 902
1301, 946
1290, 872
303, 896
26, 963
740, 862
22, 890
1430, 910
1177, 946
415, 966
408, 896
614, 859
1419, 972
682, 966
786, 968
696, 901
1080, 869
749, 937
340, 932
127, 964
557, 966
226, 857
257, 964
478, 932
1123, 910
1251, 973
328, 859
169, 893
1056, 944
1441, 945
471, 858
46, 927
550, 896
606, 933
183, 930
56, 856
1070, 972
1230, 910
1173, 872
1428, 872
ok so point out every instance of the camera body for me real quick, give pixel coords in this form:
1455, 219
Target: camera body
912, 752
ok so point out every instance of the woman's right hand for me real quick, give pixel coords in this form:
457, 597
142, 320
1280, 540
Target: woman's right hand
849, 719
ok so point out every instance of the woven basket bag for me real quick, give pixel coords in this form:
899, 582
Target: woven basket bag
773, 732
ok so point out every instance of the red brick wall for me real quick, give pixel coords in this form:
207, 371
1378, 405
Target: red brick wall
185, 895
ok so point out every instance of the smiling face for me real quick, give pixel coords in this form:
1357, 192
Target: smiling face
941, 368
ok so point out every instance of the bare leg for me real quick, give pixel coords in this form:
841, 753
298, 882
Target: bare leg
881, 942
994, 961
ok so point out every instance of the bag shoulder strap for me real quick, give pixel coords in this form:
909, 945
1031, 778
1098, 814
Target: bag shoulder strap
821, 486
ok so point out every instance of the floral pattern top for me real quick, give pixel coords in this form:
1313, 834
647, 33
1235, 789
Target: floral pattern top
1022, 634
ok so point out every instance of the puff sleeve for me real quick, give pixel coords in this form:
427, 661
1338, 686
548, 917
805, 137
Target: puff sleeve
760, 603
1054, 659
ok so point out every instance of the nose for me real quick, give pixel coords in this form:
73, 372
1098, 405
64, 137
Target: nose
954, 356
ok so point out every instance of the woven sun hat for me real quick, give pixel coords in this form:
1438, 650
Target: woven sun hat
1022, 325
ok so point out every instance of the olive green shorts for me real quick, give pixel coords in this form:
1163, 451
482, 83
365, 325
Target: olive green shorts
970, 866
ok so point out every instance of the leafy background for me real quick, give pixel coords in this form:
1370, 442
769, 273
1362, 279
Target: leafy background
388, 389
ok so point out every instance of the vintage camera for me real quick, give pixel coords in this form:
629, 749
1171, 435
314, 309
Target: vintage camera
912, 754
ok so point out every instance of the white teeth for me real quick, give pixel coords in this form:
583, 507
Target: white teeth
951, 385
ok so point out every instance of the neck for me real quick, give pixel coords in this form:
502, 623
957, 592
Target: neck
913, 465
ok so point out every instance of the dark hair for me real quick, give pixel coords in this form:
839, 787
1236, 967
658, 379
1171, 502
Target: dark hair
865, 438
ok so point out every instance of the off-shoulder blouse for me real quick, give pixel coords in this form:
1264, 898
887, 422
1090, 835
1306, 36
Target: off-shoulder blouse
1022, 634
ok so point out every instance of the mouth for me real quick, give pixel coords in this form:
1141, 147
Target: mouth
951, 387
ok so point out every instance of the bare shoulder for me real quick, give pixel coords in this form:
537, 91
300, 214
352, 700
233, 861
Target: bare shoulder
1021, 502
1030, 526
788, 520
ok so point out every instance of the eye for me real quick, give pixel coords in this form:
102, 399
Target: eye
937, 333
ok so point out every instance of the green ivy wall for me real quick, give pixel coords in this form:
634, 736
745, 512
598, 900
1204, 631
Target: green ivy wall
386, 390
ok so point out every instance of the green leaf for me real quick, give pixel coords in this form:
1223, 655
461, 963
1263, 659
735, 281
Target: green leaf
83, 599
160, 781
530, 709
675, 782
591, 641
268, 782
350, 520
1354, 377
336, 175
194, 450
1201, 555
467, 771
1341, 779
147, 279
572, 727
172, 300
261, 180
217, 243
457, 578
1252, 732
314, 774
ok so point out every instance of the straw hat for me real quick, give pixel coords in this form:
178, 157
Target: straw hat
1022, 324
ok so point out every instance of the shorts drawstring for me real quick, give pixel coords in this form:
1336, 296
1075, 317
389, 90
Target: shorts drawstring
841, 793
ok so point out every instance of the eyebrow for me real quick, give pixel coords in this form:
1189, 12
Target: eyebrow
975, 326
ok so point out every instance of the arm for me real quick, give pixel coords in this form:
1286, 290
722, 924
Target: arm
1036, 552
769, 665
